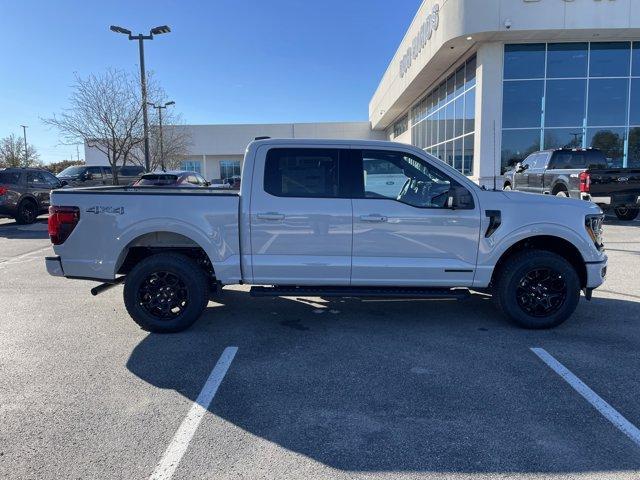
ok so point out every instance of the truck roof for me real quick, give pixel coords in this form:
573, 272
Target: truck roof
373, 144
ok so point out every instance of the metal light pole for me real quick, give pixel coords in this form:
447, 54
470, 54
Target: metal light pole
24, 136
160, 108
143, 79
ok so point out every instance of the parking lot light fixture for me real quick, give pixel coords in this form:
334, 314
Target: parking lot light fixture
160, 108
143, 80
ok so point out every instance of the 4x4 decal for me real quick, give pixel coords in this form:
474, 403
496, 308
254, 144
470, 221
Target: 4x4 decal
111, 210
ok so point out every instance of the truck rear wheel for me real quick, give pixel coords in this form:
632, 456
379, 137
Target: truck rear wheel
537, 289
627, 213
166, 293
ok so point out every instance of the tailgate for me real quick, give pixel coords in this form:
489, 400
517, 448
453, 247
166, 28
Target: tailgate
615, 182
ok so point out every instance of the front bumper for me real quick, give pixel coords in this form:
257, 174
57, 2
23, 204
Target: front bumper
596, 273
54, 266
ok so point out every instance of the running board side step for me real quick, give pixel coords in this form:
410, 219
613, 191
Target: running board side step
362, 292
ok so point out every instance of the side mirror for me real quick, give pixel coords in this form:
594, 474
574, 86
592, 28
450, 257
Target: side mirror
63, 183
207, 183
520, 167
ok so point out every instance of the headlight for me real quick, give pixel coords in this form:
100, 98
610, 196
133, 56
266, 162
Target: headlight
593, 224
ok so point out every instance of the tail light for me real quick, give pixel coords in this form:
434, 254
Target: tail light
3, 191
585, 182
62, 221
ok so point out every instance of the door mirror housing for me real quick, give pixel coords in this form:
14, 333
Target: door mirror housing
63, 183
520, 167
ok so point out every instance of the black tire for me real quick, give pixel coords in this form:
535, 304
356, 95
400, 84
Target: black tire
531, 300
166, 293
27, 212
627, 214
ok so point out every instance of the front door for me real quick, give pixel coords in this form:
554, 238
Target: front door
411, 234
300, 217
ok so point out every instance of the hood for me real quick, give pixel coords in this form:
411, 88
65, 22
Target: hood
536, 199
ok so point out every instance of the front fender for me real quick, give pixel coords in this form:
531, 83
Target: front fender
491, 249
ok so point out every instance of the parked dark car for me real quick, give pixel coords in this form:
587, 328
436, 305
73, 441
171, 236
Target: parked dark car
24, 193
92, 176
172, 179
578, 173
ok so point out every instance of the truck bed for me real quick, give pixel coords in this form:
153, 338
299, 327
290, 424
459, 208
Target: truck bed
116, 218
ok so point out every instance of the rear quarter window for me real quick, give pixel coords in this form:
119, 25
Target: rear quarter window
10, 177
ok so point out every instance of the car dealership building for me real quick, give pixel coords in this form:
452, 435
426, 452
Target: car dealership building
482, 83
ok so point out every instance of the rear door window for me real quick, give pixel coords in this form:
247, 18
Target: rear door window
12, 178
35, 179
568, 160
303, 172
96, 172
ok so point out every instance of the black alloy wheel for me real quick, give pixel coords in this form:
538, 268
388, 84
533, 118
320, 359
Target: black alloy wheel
541, 292
163, 295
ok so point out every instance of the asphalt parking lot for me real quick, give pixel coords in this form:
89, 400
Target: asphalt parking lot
342, 389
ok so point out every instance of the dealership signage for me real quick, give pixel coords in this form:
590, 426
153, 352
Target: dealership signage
429, 25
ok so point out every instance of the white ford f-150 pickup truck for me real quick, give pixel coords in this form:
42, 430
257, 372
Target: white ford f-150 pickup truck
330, 218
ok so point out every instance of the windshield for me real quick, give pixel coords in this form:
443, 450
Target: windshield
158, 180
72, 171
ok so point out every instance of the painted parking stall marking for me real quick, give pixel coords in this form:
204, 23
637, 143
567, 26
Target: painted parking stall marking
606, 410
180, 442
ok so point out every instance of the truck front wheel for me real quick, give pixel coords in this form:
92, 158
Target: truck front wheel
537, 289
166, 293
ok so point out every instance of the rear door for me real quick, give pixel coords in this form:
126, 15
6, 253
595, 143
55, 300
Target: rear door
301, 216
39, 188
409, 235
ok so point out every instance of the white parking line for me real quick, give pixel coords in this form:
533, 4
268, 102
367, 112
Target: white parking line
25, 257
178, 446
606, 410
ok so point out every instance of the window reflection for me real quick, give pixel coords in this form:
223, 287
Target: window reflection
563, 138
524, 61
608, 101
565, 103
566, 60
522, 104
634, 148
609, 59
517, 144
610, 141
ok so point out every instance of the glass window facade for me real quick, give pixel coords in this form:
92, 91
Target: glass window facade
229, 168
192, 166
443, 121
572, 95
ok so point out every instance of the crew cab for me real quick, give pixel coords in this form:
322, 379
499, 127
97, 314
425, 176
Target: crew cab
319, 218
578, 173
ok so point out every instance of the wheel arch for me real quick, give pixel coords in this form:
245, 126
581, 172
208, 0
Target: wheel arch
145, 244
550, 243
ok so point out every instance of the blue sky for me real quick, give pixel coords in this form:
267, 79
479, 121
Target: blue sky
225, 61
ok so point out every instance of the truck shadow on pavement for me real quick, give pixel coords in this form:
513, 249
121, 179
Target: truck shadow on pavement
37, 230
395, 386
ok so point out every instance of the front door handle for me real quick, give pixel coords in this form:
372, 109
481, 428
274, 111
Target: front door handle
373, 218
271, 216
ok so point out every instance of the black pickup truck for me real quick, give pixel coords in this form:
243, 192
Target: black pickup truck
578, 173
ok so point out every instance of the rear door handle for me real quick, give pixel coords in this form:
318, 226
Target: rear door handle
272, 216
373, 218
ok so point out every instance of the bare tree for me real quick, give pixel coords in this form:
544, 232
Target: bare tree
105, 112
12, 153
